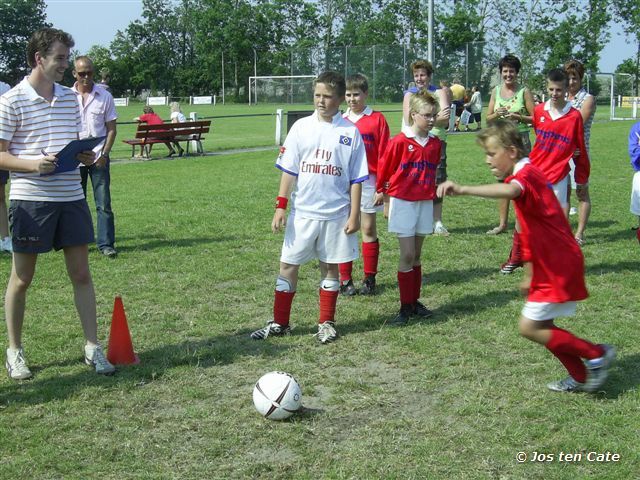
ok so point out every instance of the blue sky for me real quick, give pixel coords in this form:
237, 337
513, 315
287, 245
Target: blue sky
108, 16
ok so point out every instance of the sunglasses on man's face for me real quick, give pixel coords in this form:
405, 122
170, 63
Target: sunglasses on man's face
84, 74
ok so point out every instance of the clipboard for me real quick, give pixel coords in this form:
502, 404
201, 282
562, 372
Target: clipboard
67, 156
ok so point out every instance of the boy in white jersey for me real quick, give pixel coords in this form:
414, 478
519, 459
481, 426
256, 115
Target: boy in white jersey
374, 130
323, 163
39, 117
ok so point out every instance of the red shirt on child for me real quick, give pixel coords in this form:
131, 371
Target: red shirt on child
547, 241
409, 168
151, 119
374, 130
556, 142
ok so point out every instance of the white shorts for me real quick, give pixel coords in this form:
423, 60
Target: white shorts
635, 194
410, 219
369, 195
305, 240
548, 311
572, 171
560, 189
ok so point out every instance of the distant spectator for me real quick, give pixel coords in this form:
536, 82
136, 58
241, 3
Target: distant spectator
457, 98
177, 117
5, 239
475, 108
151, 118
634, 155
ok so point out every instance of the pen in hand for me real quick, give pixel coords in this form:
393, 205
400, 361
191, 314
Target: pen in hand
43, 152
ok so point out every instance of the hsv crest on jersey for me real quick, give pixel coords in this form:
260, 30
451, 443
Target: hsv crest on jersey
541, 119
344, 140
282, 150
411, 148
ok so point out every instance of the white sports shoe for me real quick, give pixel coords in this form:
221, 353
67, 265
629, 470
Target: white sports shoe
440, 229
326, 332
573, 211
6, 245
16, 365
94, 356
598, 369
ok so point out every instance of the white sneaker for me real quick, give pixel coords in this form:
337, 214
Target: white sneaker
439, 229
573, 211
16, 365
326, 332
94, 356
598, 369
6, 245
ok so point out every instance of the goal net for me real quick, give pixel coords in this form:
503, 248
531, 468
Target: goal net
615, 94
281, 89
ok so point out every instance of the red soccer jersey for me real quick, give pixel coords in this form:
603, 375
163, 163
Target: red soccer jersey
375, 133
556, 258
409, 168
151, 119
556, 141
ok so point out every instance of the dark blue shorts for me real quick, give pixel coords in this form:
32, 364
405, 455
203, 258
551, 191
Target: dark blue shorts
37, 227
4, 177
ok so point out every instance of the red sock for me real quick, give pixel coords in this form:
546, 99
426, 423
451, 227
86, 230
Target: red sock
566, 342
417, 279
328, 302
345, 271
406, 285
516, 250
638, 234
574, 366
370, 254
282, 307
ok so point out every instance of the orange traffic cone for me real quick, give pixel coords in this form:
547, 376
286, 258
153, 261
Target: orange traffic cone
120, 346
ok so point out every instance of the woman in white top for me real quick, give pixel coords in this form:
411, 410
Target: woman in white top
177, 117
586, 104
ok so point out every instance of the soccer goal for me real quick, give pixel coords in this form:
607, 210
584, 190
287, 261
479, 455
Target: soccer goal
617, 90
281, 89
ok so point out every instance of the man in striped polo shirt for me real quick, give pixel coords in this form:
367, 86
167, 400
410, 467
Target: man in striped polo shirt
38, 118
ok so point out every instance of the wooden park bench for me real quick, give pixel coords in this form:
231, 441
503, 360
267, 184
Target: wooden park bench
147, 135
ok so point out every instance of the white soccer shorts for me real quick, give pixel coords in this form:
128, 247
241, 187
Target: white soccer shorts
541, 311
410, 219
635, 194
306, 239
560, 189
368, 196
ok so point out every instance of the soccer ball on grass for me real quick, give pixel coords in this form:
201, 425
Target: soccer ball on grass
277, 395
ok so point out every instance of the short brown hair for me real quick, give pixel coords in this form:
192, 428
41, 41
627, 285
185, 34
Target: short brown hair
357, 82
575, 67
42, 41
506, 134
333, 80
422, 64
147, 110
510, 60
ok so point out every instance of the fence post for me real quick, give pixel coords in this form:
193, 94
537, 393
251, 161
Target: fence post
374, 74
279, 118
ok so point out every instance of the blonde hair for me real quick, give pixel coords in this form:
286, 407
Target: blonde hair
420, 100
506, 135
175, 106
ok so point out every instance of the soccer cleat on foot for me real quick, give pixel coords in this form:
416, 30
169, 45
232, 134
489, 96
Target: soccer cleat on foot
419, 310
598, 369
440, 229
402, 318
272, 329
16, 365
567, 385
368, 285
326, 332
509, 267
348, 289
94, 357
6, 245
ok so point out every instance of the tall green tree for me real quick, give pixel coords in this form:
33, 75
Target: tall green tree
18, 20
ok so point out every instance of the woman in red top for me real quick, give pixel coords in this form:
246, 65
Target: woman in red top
554, 265
407, 174
151, 118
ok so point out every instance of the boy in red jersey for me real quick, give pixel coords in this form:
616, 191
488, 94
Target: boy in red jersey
554, 279
375, 135
407, 173
559, 134
323, 163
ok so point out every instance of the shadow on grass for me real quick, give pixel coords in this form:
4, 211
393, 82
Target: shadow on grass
450, 277
152, 243
624, 377
154, 363
602, 268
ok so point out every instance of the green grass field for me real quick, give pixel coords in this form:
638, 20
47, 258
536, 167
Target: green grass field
456, 396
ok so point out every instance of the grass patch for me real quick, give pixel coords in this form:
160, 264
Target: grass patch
457, 396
